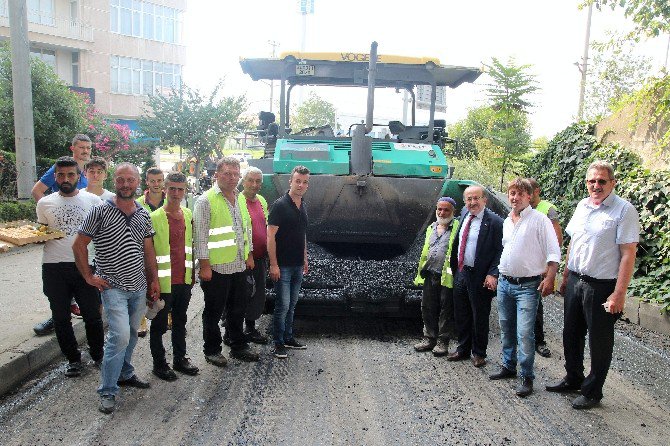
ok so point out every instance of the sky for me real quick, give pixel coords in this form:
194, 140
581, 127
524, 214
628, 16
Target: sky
547, 35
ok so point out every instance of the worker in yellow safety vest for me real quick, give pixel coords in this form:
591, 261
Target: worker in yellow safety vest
224, 250
550, 211
434, 274
173, 243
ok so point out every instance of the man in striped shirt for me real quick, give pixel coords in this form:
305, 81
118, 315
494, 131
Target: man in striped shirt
126, 273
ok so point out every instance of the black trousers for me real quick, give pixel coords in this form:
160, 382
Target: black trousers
584, 312
60, 282
539, 324
176, 302
472, 307
223, 292
437, 308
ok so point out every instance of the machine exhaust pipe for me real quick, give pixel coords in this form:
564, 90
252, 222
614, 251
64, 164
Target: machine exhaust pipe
361, 145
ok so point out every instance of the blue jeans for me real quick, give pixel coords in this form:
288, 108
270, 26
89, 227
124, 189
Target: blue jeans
123, 310
517, 307
286, 292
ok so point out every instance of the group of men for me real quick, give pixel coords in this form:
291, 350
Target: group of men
467, 261
126, 255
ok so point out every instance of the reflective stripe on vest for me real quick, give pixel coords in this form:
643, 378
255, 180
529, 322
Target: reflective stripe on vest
221, 241
162, 247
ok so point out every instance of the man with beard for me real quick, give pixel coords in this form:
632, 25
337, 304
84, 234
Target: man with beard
64, 211
437, 300
126, 274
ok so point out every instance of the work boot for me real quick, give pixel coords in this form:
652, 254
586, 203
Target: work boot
425, 345
441, 348
185, 366
525, 387
218, 360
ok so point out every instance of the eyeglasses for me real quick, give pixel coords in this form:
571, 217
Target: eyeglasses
600, 182
471, 199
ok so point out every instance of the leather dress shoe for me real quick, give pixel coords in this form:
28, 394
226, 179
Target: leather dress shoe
563, 386
185, 366
165, 373
457, 356
503, 373
478, 361
525, 387
134, 381
584, 402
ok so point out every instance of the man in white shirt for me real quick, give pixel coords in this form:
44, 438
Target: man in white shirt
530, 248
604, 232
96, 174
65, 210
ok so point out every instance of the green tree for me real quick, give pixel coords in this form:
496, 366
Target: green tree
194, 121
314, 112
508, 96
58, 113
615, 71
651, 17
466, 132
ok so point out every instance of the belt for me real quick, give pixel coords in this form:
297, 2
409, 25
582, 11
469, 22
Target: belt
520, 280
589, 279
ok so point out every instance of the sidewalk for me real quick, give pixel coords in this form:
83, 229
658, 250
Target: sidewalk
22, 353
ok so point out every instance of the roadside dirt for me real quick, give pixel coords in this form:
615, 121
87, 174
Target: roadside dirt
359, 382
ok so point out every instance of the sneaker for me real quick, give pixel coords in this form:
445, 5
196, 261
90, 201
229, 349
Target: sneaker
292, 343
74, 309
185, 366
218, 360
44, 327
441, 348
280, 352
503, 373
425, 345
73, 369
246, 354
256, 337
133, 381
165, 373
107, 403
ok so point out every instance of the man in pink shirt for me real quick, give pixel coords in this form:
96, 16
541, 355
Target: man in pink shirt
256, 207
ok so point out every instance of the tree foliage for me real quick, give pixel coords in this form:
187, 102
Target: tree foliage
651, 17
509, 96
476, 125
194, 121
314, 112
58, 113
615, 71
561, 169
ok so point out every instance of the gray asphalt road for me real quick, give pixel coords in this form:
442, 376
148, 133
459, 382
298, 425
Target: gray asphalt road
359, 382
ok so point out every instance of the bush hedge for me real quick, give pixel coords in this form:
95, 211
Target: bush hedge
561, 169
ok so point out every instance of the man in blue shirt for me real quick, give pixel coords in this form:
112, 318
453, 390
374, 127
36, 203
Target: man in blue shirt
81, 152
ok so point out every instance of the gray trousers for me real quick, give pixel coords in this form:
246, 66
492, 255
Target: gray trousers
437, 308
256, 303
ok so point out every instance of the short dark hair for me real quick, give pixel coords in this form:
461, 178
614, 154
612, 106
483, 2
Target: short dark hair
521, 184
66, 161
175, 177
80, 137
534, 184
96, 161
228, 161
153, 171
302, 170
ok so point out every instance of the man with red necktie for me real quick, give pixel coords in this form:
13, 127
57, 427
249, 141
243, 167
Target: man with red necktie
474, 258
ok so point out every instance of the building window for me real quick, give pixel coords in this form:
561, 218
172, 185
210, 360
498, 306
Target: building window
41, 12
46, 56
75, 68
143, 77
139, 18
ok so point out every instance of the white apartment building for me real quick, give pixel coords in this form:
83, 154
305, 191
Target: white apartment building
118, 50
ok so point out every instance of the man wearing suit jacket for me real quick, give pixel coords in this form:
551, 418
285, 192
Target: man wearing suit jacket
474, 259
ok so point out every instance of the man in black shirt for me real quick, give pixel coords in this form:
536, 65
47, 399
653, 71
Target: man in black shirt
287, 249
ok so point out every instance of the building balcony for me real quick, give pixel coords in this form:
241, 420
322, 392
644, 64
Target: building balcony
63, 27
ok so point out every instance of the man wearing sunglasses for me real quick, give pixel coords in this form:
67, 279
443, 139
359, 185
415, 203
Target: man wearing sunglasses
604, 232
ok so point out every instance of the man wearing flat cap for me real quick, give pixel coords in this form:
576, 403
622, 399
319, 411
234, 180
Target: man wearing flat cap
434, 273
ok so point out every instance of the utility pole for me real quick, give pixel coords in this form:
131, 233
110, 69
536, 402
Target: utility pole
583, 67
24, 132
274, 46
306, 7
